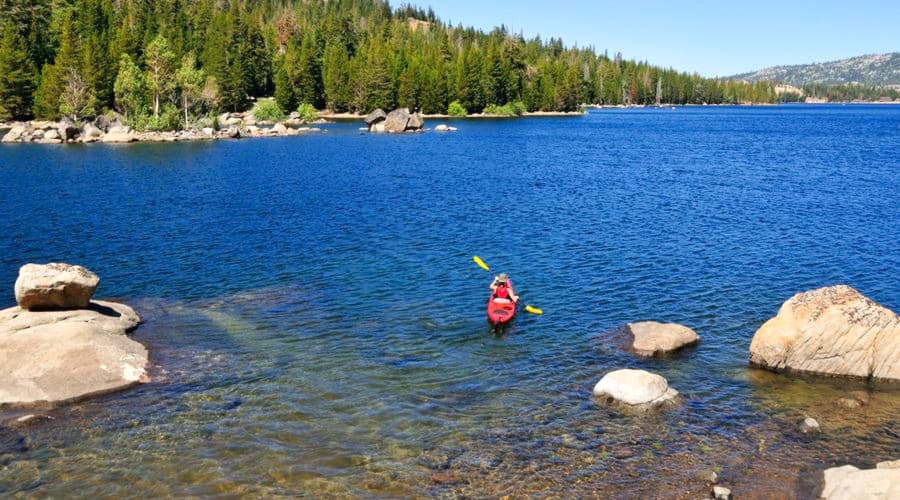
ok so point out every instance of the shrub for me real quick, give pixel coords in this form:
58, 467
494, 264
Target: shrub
267, 110
170, 118
509, 109
456, 109
308, 112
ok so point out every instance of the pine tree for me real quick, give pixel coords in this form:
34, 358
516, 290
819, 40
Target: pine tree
17, 76
335, 66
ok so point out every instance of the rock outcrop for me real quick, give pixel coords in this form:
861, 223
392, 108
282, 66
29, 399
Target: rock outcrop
635, 389
119, 134
832, 331
651, 338
15, 133
54, 285
58, 356
374, 117
850, 483
416, 122
396, 120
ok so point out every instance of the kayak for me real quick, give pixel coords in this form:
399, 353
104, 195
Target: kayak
501, 311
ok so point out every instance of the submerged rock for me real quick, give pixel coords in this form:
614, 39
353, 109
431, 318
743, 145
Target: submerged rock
651, 338
850, 483
62, 355
721, 493
635, 389
54, 285
809, 424
444, 128
834, 331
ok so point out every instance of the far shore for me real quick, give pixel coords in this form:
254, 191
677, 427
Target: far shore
438, 116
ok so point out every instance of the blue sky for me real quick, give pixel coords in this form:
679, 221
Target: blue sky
711, 38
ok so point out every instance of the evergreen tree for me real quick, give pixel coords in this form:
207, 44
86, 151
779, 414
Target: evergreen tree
17, 76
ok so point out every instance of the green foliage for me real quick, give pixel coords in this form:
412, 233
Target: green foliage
353, 55
129, 87
17, 75
456, 109
308, 112
267, 110
168, 118
509, 109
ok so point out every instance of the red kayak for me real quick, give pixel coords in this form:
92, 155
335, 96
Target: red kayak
501, 311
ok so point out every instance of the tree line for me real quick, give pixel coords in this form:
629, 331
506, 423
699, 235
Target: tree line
841, 93
165, 63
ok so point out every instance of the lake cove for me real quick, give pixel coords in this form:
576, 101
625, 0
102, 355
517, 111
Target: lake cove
316, 325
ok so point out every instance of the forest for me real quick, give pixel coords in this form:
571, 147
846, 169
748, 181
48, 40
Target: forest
166, 64
841, 93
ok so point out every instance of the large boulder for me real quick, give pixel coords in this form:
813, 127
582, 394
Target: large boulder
279, 129
416, 122
850, 483
90, 132
64, 355
651, 338
375, 117
54, 285
15, 133
397, 120
833, 331
67, 129
119, 134
636, 389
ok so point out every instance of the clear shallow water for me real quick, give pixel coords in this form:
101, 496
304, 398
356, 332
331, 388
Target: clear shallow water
317, 325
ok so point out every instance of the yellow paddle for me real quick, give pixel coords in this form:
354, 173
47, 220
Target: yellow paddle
481, 264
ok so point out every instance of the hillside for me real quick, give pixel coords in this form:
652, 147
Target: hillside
875, 69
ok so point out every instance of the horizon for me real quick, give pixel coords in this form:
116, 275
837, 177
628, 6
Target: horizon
712, 42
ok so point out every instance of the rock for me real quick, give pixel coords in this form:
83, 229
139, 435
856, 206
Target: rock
63, 355
208, 131
103, 123
721, 493
834, 331
416, 122
809, 424
45, 140
233, 132
652, 338
709, 476
442, 128
119, 134
233, 121
850, 403
54, 285
222, 120
478, 459
90, 132
51, 134
37, 134
67, 129
279, 129
622, 453
397, 120
445, 478
850, 483
374, 117
378, 127
890, 464
294, 115
635, 388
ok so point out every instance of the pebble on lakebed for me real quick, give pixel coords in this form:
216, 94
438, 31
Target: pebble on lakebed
59, 345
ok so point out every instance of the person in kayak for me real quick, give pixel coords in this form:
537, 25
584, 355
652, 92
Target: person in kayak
503, 292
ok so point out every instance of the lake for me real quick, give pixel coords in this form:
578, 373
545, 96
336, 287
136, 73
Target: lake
317, 325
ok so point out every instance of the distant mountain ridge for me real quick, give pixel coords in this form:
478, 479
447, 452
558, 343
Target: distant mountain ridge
872, 69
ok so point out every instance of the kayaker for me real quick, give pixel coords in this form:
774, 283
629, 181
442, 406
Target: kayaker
504, 293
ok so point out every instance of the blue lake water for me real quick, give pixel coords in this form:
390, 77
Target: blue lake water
317, 325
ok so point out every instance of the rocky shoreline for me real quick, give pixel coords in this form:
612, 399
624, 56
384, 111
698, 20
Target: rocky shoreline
107, 130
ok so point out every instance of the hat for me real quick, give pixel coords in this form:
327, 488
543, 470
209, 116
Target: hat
502, 277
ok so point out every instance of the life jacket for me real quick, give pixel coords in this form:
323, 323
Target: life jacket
502, 291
